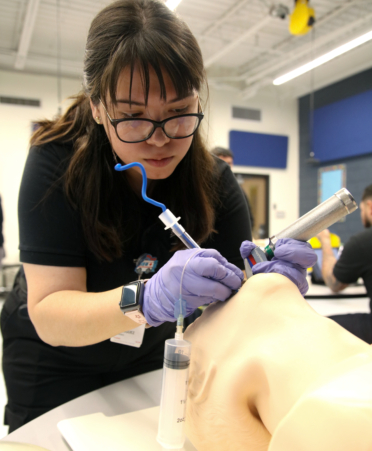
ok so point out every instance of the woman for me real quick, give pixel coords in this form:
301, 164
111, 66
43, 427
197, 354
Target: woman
83, 226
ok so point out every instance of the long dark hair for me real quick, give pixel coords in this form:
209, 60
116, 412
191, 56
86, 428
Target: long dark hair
126, 33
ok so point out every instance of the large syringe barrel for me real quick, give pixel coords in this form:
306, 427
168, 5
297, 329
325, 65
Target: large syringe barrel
171, 431
319, 218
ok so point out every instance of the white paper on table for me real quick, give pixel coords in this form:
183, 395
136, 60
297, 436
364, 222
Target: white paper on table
135, 431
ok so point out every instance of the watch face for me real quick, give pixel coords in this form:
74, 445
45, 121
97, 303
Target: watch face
129, 296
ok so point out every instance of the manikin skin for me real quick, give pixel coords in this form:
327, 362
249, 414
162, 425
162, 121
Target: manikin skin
256, 356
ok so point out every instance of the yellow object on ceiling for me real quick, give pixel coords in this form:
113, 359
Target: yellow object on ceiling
302, 19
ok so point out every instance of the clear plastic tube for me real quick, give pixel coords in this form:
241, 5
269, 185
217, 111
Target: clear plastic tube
171, 431
186, 239
171, 222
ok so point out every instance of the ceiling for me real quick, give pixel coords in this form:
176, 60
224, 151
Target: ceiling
245, 46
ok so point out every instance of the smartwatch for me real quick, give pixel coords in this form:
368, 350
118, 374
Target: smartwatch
131, 301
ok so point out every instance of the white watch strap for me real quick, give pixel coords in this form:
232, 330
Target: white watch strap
136, 316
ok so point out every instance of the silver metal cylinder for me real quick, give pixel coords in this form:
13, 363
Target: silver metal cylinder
319, 218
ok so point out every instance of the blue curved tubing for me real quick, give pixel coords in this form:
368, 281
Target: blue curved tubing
119, 167
177, 229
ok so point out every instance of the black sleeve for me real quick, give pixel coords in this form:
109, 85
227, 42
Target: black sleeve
1, 226
350, 266
232, 223
49, 229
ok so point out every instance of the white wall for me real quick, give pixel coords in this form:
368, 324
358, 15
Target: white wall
15, 131
278, 116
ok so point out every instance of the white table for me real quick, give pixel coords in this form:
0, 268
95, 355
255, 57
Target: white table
322, 291
140, 392
352, 299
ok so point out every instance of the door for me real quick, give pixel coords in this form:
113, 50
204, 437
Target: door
256, 187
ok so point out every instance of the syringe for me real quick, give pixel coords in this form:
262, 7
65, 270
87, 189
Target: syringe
171, 222
171, 432
171, 429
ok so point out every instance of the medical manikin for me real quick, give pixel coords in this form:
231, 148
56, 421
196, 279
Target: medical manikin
269, 373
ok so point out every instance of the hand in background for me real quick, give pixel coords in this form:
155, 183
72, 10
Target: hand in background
324, 236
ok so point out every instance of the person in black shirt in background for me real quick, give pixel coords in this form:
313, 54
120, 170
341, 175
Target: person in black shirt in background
228, 157
224, 154
355, 261
86, 234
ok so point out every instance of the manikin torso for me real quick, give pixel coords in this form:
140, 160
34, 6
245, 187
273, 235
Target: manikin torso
256, 356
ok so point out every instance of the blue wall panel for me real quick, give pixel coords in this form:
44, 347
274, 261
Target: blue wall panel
343, 129
259, 149
358, 168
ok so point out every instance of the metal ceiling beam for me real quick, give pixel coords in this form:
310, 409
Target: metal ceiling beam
308, 48
257, 78
224, 17
324, 19
262, 23
28, 28
266, 65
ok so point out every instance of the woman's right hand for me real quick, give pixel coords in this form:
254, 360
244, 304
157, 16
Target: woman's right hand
208, 277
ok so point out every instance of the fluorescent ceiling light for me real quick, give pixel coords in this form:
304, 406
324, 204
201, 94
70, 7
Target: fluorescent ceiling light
324, 59
172, 4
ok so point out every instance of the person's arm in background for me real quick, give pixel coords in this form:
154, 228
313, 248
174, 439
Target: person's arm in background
328, 263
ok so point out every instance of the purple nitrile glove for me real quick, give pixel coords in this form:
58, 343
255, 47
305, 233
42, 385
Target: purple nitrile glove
291, 259
208, 277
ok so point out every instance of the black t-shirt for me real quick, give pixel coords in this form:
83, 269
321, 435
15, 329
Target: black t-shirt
356, 261
51, 234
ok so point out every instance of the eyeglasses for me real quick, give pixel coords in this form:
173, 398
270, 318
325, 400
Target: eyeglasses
130, 130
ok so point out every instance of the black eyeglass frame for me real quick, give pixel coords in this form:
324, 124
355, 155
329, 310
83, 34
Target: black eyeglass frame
156, 124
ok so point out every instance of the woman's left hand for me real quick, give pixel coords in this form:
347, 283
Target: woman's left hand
291, 259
